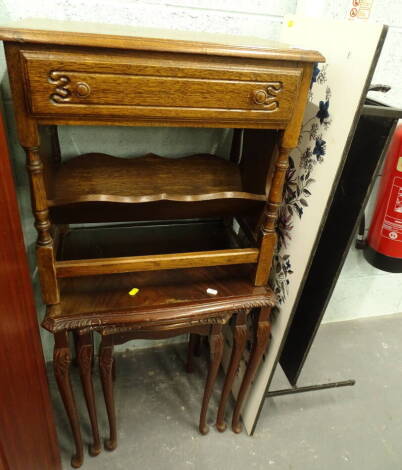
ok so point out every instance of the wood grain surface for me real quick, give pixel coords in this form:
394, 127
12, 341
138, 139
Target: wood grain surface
180, 294
100, 177
154, 85
92, 267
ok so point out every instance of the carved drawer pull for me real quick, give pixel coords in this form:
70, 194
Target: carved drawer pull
82, 90
65, 89
260, 96
267, 96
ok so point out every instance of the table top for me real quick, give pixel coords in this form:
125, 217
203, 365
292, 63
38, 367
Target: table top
158, 296
132, 37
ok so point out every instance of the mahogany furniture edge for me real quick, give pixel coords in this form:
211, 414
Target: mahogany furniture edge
197, 312
28, 438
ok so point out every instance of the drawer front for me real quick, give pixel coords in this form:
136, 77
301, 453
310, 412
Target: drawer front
144, 86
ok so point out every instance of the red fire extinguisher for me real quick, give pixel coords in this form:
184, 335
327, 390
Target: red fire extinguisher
384, 242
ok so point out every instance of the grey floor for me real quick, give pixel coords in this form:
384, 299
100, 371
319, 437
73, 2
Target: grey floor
353, 428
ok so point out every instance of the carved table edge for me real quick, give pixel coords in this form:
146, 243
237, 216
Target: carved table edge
208, 314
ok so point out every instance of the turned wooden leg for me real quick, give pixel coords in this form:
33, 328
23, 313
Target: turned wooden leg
84, 347
190, 352
61, 364
260, 345
239, 343
216, 350
106, 373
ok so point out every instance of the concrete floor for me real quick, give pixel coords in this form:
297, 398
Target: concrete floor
356, 427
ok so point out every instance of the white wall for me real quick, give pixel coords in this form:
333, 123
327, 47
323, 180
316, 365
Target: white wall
388, 12
256, 17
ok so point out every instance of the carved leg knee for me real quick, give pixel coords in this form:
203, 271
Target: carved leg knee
61, 363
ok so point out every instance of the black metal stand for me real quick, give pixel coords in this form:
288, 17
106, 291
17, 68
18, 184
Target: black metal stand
310, 388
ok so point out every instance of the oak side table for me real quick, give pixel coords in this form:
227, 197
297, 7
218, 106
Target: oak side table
87, 74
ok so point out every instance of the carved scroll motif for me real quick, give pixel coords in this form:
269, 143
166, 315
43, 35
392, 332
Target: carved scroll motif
88, 324
62, 92
268, 96
84, 324
106, 360
65, 90
61, 361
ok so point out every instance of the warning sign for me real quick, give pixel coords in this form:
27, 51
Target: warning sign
359, 10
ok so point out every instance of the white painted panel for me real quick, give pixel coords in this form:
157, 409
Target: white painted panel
339, 89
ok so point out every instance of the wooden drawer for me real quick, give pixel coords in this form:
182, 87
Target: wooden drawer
156, 86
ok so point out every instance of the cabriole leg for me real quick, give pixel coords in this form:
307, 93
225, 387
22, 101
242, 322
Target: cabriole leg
239, 343
262, 332
106, 373
61, 364
84, 357
216, 350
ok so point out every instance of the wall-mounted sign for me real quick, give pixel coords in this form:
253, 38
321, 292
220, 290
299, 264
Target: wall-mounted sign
359, 10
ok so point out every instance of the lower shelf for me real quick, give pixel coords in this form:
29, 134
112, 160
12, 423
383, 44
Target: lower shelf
142, 247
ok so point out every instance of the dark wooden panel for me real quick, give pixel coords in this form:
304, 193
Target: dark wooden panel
258, 159
99, 212
114, 241
27, 431
349, 200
